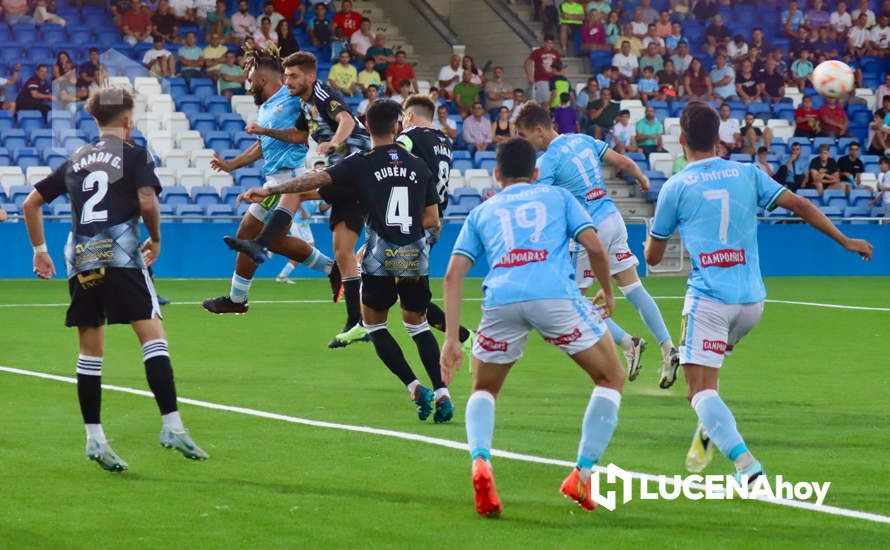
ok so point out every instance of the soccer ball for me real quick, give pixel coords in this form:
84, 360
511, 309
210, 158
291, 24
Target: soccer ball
833, 79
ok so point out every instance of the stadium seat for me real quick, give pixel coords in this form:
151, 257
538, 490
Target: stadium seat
190, 210
11, 176
33, 174
216, 105
174, 195
810, 194
26, 157
218, 141
14, 138
461, 165
859, 197
176, 123
18, 193
189, 140
242, 140
190, 177
167, 176
201, 158
203, 122
230, 194
41, 139
220, 213
231, 123
6, 121
248, 177
61, 209
833, 211
481, 156
202, 87
218, 180
60, 120
834, 197
177, 159
205, 195
189, 104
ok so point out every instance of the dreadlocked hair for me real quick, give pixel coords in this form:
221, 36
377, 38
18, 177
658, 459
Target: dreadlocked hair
268, 58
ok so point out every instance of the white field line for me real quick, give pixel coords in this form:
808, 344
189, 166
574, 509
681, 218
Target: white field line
273, 302
447, 443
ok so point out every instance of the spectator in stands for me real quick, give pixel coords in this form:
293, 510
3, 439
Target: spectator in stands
806, 119
664, 27
602, 6
469, 64
368, 76
265, 36
88, 74
771, 82
399, 71
885, 8
191, 58
680, 9
638, 27
794, 174
231, 77
219, 23
882, 191
466, 94
287, 42
36, 93
404, 91
214, 55
681, 57
343, 77
382, 55
516, 104
184, 11
723, 79
880, 132
613, 29
559, 85
758, 40
715, 35
626, 62
243, 23
851, 166
672, 41
826, 44
44, 13
62, 61
697, 83
608, 73
361, 40
647, 86
497, 90
763, 163
730, 132
593, 35
590, 93
501, 128
627, 35
538, 69
601, 115
651, 58
477, 129
882, 91
668, 82
571, 20
746, 84
135, 25
653, 38
648, 133
704, 10
824, 172
5, 104
840, 20
346, 21
624, 134
802, 69
737, 49
164, 27
679, 163
443, 123
792, 19
879, 39
370, 94
754, 135
269, 11
449, 76
833, 119
863, 9
816, 15
16, 12
159, 60
858, 37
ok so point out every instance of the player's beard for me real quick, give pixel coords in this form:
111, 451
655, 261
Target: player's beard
258, 96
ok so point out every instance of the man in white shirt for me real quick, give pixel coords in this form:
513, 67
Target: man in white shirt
840, 20
449, 75
626, 62
652, 36
870, 15
880, 36
623, 133
370, 97
730, 131
159, 60
362, 39
443, 123
243, 24
639, 28
858, 37
882, 91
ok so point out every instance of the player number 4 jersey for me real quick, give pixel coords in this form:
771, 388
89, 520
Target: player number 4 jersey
714, 204
524, 232
394, 188
574, 162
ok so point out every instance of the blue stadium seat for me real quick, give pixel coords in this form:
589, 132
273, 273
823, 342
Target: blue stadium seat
29, 120
830, 195
812, 195
62, 209
461, 155
877, 211
483, 155
72, 144
462, 164
202, 87
53, 34
230, 194
25, 33
844, 143
202, 122
248, 177
205, 195
6, 121
221, 212
80, 33
190, 210
833, 211
60, 120
11, 208
218, 141
739, 157
5, 159
167, 210
174, 195
54, 159
18, 194
860, 197
41, 139
14, 138
241, 140
26, 157
217, 104
231, 123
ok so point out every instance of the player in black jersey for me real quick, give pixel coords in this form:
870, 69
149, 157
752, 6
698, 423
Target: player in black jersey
398, 192
111, 183
330, 123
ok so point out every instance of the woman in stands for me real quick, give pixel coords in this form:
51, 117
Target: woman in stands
470, 65
287, 43
501, 128
63, 60
697, 83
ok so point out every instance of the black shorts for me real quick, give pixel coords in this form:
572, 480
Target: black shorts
117, 295
381, 292
350, 213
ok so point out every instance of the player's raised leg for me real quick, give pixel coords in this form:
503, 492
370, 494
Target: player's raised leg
89, 394
159, 373
242, 278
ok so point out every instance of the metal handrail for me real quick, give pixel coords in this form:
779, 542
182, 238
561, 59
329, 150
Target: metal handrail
516, 24
436, 21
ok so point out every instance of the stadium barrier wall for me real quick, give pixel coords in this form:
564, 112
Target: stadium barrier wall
196, 250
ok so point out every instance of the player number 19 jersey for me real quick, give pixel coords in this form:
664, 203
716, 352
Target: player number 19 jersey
714, 203
524, 232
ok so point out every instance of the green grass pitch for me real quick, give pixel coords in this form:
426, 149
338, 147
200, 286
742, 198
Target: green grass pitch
809, 388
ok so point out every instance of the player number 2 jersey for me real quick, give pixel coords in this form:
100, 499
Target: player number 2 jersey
714, 203
574, 162
394, 188
435, 149
101, 180
524, 231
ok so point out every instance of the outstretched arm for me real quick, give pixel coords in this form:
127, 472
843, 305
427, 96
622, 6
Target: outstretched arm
627, 166
288, 135
813, 216
307, 182
452, 355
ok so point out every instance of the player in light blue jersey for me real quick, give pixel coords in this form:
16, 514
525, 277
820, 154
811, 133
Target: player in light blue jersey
714, 202
575, 162
283, 149
301, 229
524, 232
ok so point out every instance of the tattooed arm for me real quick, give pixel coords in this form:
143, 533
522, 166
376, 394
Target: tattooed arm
301, 184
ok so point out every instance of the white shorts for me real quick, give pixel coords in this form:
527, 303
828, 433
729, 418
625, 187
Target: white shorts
584, 276
711, 329
262, 210
573, 325
613, 234
303, 231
